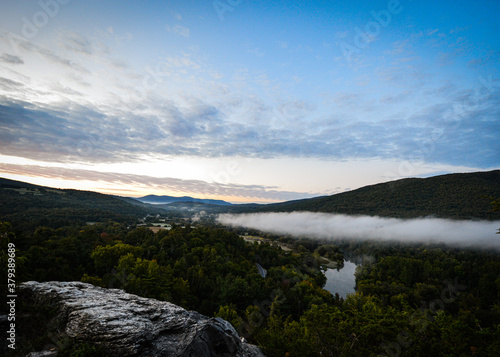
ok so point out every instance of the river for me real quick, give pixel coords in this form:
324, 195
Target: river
341, 281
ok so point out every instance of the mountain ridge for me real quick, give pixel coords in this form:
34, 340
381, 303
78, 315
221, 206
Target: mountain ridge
456, 195
165, 199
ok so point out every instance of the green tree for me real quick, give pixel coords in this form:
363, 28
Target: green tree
106, 257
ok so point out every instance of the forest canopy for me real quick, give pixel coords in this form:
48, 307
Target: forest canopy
411, 299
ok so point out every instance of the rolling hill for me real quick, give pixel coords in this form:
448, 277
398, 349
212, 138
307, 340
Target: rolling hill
456, 196
36, 205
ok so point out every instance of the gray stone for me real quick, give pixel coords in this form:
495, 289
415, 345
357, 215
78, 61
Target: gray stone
130, 325
42, 354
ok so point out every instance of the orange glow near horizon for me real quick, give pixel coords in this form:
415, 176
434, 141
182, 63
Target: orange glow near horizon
119, 189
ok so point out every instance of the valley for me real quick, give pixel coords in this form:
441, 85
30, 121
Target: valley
277, 280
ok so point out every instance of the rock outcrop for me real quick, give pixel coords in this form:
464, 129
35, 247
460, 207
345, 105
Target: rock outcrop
129, 325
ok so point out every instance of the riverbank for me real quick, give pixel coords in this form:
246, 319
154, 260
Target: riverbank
323, 261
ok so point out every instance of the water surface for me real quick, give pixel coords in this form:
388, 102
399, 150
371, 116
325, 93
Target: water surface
341, 281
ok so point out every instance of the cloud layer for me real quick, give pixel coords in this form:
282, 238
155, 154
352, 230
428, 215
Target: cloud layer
96, 108
332, 226
71, 131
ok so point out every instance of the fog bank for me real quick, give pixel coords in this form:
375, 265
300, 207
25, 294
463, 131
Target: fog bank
336, 226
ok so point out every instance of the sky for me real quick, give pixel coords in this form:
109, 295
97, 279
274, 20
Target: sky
246, 101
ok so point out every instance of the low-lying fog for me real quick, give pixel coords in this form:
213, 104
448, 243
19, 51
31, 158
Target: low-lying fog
465, 233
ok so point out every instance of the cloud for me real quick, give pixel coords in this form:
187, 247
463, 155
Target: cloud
441, 133
179, 30
155, 184
86, 134
7, 58
64, 90
257, 52
9, 84
48, 54
119, 39
334, 226
181, 62
76, 43
97, 117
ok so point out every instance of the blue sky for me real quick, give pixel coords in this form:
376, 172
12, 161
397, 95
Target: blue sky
248, 101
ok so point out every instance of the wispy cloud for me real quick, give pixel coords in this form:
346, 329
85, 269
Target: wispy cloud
69, 130
44, 52
11, 59
179, 30
76, 43
149, 184
9, 85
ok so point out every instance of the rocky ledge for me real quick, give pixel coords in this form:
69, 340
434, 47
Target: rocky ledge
129, 325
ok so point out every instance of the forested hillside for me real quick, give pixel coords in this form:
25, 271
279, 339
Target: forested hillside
458, 196
32, 206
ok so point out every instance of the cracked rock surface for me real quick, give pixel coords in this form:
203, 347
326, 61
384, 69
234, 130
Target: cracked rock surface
130, 325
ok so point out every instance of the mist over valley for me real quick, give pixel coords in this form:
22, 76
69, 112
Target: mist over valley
457, 233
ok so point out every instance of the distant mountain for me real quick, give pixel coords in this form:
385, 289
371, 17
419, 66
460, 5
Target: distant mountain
161, 200
457, 196
192, 208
